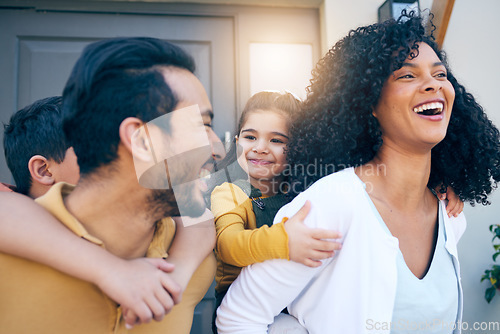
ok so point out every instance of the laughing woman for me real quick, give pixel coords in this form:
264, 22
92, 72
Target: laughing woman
387, 114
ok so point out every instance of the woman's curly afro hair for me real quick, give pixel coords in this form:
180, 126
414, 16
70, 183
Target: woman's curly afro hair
335, 129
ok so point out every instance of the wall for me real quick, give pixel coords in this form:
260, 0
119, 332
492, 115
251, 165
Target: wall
472, 44
337, 17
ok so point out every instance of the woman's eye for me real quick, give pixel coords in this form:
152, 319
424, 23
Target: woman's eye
249, 137
442, 75
406, 76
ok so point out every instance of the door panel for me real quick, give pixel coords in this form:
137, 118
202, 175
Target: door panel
44, 66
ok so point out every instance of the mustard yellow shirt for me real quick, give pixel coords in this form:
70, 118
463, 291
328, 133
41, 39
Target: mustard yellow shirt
239, 242
35, 298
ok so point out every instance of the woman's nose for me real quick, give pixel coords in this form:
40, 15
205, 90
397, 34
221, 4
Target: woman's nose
432, 85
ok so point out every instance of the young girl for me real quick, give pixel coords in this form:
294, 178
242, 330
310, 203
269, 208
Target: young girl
244, 207
245, 234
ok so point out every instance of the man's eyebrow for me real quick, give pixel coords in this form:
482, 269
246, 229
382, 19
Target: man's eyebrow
208, 112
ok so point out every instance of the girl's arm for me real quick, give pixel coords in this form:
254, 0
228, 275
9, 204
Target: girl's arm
454, 206
307, 245
239, 246
236, 244
27, 230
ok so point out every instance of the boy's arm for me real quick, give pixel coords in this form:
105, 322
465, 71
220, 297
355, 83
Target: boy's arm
190, 250
27, 230
194, 240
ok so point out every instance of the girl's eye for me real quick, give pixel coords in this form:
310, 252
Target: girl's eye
249, 137
279, 141
442, 75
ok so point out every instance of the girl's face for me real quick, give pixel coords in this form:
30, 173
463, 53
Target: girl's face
261, 144
415, 105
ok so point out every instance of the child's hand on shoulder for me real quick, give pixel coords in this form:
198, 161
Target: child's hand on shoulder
142, 287
454, 206
306, 245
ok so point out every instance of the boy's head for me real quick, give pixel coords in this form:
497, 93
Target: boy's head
36, 149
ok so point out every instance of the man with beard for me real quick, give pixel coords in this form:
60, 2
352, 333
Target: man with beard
140, 124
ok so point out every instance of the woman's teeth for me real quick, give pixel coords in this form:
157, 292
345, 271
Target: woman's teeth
433, 108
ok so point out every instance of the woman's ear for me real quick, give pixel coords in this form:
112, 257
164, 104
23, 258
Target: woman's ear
374, 113
39, 168
135, 139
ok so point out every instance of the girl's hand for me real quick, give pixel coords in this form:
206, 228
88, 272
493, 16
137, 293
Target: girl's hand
142, 287
306, 245
454, 206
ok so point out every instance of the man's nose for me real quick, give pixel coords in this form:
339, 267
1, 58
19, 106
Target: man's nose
218, 150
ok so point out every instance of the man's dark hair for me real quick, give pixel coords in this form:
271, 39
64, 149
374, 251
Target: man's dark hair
35, 129
114, 79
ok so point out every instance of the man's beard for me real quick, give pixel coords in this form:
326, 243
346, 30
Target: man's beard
166, 203
185, 198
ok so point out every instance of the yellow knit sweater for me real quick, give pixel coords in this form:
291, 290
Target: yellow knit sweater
239, 242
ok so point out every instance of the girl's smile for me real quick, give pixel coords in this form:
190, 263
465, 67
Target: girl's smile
261, 145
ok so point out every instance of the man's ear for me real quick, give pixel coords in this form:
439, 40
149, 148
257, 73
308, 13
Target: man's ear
135, 138
39, 168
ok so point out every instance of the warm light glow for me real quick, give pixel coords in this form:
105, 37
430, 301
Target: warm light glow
280, 67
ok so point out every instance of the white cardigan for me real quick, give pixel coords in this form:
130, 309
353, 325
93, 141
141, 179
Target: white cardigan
353, 292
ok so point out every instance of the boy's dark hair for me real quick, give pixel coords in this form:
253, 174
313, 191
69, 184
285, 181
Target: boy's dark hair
114, 79
336, 126
35, 129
